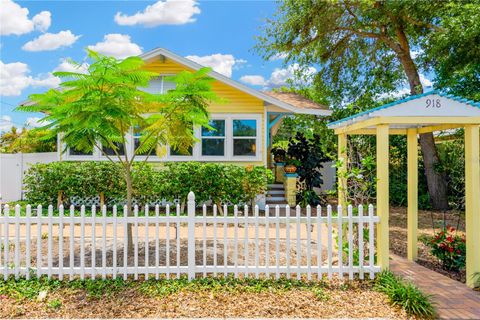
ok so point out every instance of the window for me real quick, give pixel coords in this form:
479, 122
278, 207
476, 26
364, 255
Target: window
159, 85
213, 140
74, 152
109, 151
137, 133
178, 153
244, 137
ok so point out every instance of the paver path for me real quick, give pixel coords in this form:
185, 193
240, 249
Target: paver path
454, 300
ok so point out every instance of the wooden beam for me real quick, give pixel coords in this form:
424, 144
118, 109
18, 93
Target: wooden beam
358, 125
472, 201
341, 170
429, 120
440, 127
373, 131
383, 205
412, 183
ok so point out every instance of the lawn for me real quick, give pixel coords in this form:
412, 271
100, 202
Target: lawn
201, 298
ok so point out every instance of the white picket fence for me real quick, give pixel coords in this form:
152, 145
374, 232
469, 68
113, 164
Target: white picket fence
280, 242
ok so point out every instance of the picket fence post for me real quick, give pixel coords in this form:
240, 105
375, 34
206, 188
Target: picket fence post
191, 235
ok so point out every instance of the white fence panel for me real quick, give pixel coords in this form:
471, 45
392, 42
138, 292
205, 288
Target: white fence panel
306, 244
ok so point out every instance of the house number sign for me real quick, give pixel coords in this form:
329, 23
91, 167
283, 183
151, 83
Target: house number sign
433, 103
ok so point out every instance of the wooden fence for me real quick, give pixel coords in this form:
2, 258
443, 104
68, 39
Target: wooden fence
278, 242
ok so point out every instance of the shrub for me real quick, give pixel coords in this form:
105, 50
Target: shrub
219, 183
449, 248
405, 295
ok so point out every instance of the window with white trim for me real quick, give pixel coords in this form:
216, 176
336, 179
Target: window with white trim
244, 133
137, 134
213, 139
159, 85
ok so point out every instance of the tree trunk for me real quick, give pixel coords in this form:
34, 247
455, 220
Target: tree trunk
128, 180
436, 180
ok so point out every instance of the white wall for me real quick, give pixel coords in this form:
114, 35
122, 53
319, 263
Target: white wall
12, 168
328, 176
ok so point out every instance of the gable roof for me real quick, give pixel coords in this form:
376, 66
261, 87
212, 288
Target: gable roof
269, 99
296, 100
456, 107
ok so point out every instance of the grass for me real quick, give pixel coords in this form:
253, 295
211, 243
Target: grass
405, 295
23, 289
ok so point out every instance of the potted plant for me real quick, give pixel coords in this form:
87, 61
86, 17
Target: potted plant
291, 166
279, 154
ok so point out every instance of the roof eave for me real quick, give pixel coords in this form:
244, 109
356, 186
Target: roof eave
258, 94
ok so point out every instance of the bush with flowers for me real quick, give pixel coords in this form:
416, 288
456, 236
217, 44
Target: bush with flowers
449, 248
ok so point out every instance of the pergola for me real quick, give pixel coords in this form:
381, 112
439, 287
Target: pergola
429, 112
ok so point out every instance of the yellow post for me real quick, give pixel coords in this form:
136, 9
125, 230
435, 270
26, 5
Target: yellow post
382, 195
342, 181
412, 235
472, 201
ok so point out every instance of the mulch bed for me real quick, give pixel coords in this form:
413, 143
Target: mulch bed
354, 300
398, 236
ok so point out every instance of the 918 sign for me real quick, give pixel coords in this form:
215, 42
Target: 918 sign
433, 103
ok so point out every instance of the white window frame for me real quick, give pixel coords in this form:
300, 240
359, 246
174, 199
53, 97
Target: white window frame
197, 147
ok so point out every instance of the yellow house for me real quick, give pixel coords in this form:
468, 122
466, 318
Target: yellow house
257, 113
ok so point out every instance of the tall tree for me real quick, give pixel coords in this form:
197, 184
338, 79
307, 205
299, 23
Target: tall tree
97, 109
454, 55
27, 140
363, 49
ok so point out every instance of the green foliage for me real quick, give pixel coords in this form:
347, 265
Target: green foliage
223, 184
27, 141
449, 248
99, 108
405, 295
309, 157
23, 289
453, 51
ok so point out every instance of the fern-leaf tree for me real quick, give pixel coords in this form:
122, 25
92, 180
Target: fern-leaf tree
98, 108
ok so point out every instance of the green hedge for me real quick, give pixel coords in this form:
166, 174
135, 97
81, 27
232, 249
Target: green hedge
209, 181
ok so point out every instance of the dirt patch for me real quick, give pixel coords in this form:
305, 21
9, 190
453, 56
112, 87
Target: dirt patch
426, 219
355, 300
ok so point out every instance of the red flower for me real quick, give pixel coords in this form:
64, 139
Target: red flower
449, 239
459, 251
450, 249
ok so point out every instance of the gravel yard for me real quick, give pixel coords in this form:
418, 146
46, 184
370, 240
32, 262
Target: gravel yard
139, 299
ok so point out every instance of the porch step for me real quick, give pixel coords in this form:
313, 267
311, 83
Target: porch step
275, 186
275, 192
275, 199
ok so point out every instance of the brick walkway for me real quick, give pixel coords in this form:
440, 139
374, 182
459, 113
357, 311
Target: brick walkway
454, 300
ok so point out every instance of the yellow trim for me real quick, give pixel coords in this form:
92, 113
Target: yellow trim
435, 121
383, 196
355, 126
342, 156
374, 132
439, 128
412, 182
472, 201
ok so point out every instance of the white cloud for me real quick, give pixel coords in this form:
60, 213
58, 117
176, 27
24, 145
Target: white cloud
221, 63
404, 91
14, 77
426, 83
280, 77
14, 19
42, 21
117, 45
34, 122
5, 123
65, 65
278, 56
51, 41
168, 12
254, 80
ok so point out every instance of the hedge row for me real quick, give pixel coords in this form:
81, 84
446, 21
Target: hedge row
209, 181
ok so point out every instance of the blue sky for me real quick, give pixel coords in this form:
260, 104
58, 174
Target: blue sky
36, 37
